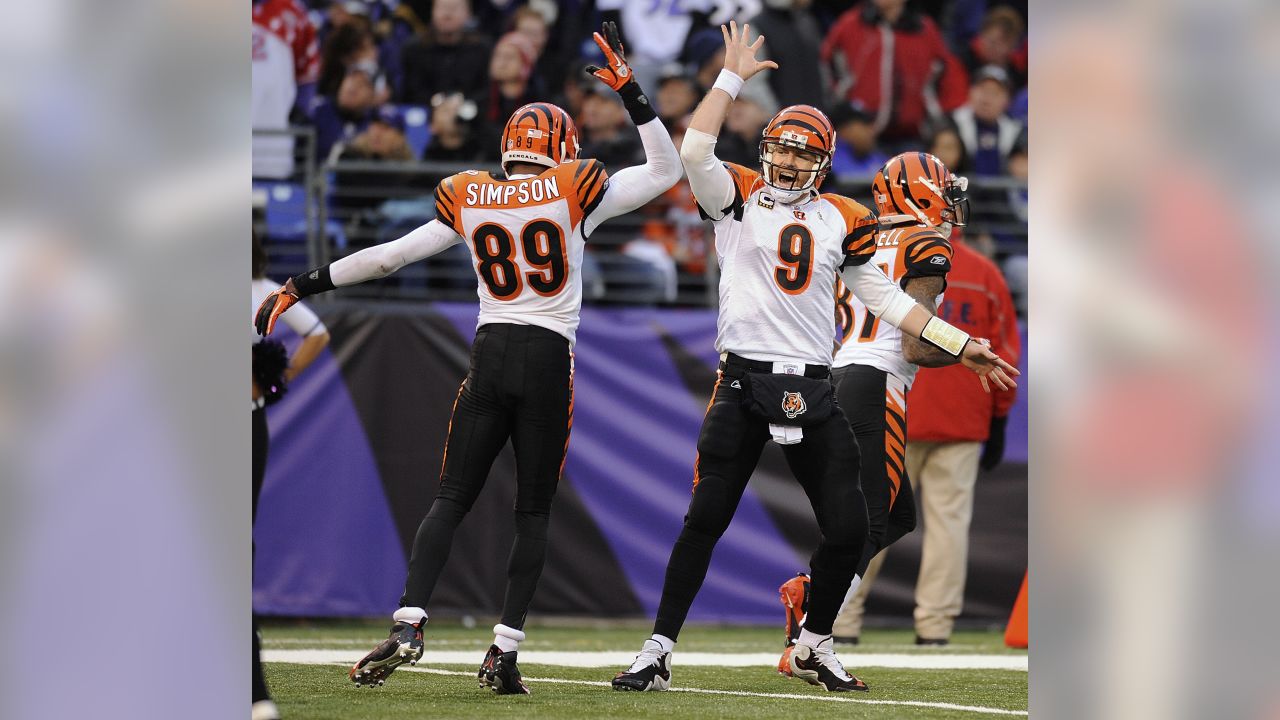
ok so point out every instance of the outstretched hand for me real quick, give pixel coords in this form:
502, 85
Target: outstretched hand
616, 73
273, 306
990, 367
739, 57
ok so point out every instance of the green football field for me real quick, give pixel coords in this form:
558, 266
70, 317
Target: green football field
975, 677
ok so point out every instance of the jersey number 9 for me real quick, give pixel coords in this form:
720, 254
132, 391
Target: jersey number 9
795, 251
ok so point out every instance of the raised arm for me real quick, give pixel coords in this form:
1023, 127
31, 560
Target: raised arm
924, 290
374, 262
888, 302
632, 187
711, 183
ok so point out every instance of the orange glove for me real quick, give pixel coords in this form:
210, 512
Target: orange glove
275, 305
618, 73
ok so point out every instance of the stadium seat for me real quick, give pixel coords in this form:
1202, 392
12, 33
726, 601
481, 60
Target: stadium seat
286, 224
417, 128
286, 210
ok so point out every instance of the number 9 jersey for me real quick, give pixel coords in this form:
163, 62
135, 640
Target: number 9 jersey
526, 235
778, 265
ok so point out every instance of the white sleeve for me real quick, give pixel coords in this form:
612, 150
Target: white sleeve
634, 186
382, 260
882, 296
303, 320
711, 183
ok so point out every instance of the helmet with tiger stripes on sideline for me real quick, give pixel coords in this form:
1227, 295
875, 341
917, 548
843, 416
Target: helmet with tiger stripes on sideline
918, 185
805, 134
539, 133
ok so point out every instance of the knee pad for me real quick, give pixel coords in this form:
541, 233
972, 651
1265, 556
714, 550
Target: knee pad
532, 525
835, 557
446, 509
697, 538
711, 509
907, 521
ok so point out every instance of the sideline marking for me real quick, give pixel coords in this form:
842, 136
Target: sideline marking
615, 658
295, 658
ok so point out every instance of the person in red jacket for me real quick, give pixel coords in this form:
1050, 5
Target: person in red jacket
905, 76
953, 429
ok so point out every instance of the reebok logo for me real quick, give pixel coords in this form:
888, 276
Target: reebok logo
735, 384
938, 260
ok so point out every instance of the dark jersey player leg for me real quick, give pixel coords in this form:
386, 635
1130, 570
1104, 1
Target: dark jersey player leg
729, 446
520, 386
879, 427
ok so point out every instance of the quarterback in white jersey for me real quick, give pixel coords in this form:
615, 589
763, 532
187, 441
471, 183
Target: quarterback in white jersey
526, 234
780, 244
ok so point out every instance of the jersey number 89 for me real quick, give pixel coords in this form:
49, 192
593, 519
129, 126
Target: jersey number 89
542, 243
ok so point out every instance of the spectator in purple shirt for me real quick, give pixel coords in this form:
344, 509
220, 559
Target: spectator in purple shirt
856, 150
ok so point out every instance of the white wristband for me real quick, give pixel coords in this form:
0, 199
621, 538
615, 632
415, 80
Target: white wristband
729, 82
949, 338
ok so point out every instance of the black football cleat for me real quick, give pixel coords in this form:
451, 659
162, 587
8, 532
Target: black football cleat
820, 666
403, 646
500, 673
650, 671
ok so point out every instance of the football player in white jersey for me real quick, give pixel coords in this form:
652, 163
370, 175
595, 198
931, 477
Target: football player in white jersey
918, 200
780, 244
526, 233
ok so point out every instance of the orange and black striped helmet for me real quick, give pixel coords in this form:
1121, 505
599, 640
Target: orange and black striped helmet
806, 129
539, 133
918, 185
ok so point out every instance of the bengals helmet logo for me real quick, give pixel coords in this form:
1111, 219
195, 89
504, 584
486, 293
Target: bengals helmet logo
793, 404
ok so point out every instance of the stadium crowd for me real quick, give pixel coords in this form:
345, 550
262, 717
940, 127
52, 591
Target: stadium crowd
943, 76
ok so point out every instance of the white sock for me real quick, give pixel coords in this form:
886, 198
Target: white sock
853, 588
812, 639
265, 710
507, 638
409, 615
664, 642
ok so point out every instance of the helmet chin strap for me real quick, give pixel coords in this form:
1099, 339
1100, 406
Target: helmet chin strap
789, 197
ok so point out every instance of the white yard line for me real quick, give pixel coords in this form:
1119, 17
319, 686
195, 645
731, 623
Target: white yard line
735, 693
616, 658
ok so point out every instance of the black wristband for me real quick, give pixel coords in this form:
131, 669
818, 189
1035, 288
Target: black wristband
636, 103
315, 281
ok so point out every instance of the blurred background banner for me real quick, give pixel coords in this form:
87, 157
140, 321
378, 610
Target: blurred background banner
357, 448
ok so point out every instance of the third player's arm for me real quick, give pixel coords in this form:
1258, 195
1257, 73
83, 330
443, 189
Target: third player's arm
924, 290
888, 302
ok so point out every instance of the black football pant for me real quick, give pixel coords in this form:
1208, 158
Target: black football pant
877, 410
261, 438
520, 386
825, 463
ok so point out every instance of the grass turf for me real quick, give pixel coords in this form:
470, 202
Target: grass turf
324, 693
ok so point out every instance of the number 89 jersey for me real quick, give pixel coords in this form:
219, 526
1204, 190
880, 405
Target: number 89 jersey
778, 265
526, 240
902, 253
